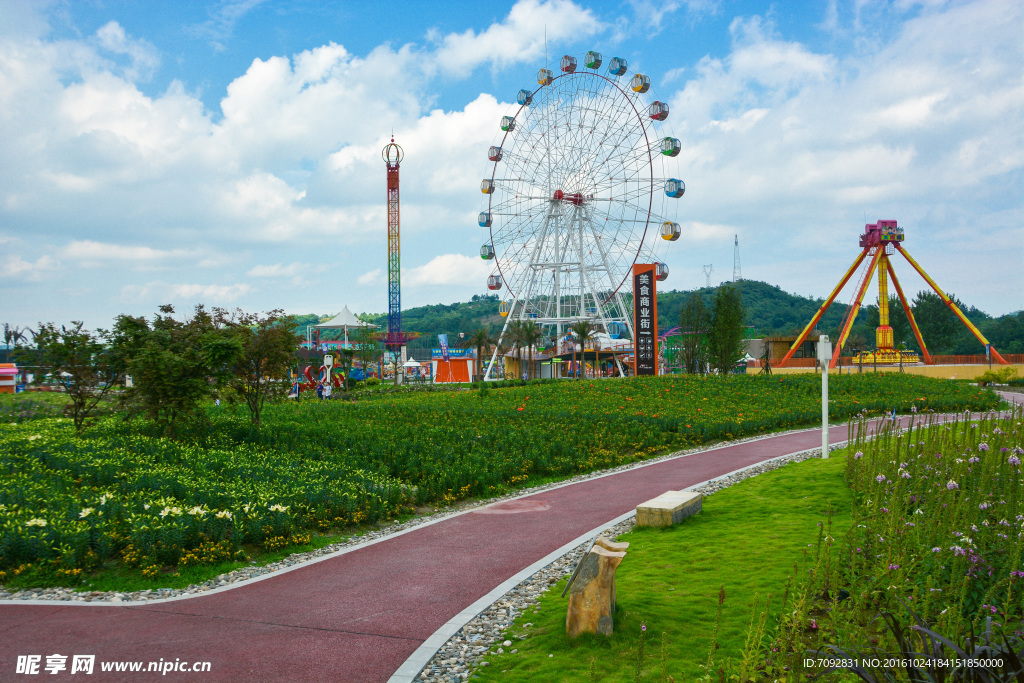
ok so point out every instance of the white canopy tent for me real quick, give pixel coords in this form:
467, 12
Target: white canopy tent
343, 321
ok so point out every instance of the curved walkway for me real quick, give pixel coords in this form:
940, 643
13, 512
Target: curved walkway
358, 615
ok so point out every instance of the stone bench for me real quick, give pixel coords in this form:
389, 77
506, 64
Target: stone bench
669, 508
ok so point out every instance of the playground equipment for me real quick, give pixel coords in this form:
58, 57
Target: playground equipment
880, 241
575, 197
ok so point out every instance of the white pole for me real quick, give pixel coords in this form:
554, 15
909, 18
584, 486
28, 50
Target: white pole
824, 411
824, 356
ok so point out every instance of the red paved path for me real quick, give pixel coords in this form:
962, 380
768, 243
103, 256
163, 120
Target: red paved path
357, 616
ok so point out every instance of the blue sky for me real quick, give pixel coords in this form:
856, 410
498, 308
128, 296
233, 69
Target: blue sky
228, 152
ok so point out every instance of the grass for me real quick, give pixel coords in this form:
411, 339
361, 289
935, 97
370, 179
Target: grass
749, 539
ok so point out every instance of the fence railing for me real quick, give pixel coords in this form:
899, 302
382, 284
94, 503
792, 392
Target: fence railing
976, 359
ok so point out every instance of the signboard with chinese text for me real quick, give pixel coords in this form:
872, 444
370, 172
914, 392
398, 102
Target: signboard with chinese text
645, 320
438, 354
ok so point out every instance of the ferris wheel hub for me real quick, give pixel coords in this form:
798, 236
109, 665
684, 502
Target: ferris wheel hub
573, 198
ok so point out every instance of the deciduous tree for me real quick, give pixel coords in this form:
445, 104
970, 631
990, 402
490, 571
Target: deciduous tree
693, 326
82, 362
259, 371
175, 364
726, 333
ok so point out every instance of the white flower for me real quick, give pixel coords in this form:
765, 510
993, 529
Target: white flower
34, 437
103, 499
197, 510
36, 522
84, 513
223, 514
170, 511
145, 506
277, 507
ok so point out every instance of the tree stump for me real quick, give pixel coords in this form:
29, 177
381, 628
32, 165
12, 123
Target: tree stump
592, 595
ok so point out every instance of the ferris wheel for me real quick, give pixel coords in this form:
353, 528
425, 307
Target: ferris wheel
578, 193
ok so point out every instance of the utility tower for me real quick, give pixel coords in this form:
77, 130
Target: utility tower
707, 275
737, 275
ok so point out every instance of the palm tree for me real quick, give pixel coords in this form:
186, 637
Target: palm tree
530, 334
583, 330
480, 339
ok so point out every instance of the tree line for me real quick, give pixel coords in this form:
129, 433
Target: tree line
175, 365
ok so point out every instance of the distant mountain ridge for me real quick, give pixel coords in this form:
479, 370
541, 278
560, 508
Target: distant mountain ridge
769, 311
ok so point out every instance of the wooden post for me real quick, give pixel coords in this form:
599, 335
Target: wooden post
592, 594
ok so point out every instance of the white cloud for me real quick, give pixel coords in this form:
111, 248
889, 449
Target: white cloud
373, 277
790, 146
100, 253
448, 269
111, 37
161, 292
13, 266
695, 232
517, 38
220, 27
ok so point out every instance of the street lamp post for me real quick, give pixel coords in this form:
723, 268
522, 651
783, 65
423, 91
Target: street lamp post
824, 355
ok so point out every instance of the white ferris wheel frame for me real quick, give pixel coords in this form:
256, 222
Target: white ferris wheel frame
576, 213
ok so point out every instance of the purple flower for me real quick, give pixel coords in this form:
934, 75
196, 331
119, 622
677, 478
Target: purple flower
973, 459
880, 478
858, 455
952, 485
982, 446
1017, 574
936, 550
643, 627
894, 566
1013, 460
